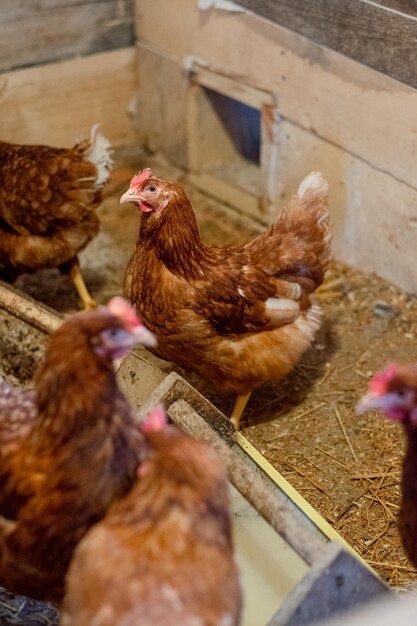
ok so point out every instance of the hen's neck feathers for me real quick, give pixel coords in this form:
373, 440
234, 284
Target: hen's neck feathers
175, 239
408, 510
74, 390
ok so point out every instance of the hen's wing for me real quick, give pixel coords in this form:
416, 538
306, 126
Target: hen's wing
240, 297
266, 283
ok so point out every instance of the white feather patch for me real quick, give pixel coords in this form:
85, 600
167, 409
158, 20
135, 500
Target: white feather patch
281, 304
99, 153
314, 182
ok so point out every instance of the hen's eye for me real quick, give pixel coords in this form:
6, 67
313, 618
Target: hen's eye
151, 188
114, 332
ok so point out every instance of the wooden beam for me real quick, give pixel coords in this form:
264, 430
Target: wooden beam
51, 31
381, 35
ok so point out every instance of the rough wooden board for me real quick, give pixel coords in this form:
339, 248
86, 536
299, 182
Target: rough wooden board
373, 215
379, 36
364, 112
51, 31
56, 104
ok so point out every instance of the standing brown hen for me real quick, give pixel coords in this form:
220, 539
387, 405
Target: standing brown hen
68, 449
48, 198
239, 316
163, 555
394, 391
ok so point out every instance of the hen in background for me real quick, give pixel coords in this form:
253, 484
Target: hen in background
239, 316
68, 449
394, 391
163, 555
48, 198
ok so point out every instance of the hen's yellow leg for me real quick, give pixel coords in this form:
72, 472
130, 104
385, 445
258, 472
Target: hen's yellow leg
241, 402
79, 284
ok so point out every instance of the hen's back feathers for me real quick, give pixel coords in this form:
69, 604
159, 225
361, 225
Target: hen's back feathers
44, 188
164, 554
48, 198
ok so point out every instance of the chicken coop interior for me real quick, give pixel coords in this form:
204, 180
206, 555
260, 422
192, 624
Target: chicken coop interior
237, 102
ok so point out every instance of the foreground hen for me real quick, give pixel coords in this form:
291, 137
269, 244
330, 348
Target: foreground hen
394, 391
239, 316
68, 448
48, 198
163, 556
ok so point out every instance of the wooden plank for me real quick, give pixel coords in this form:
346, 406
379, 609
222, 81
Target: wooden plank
56, 104
376, 34
366, 113
51, 31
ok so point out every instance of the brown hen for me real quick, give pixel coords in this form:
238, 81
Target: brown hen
48, 198
68, 449
163, 555
239, 316
394, 391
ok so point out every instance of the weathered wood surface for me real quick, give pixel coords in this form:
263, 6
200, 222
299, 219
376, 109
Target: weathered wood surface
50, 30
57, 103
382, 35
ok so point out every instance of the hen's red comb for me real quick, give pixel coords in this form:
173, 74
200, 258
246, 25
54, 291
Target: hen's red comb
379, 382
155, 421
140, 178
119, 307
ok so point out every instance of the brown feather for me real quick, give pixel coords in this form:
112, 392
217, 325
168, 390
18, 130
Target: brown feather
48, 198
164, 554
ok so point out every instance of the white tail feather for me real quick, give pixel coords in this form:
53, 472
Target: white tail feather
99, 153
314, 182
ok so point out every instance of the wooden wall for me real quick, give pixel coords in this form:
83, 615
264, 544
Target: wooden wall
380, 34
358, 126
64, 66
40, 31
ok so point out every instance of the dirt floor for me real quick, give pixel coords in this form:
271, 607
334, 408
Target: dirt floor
347, 466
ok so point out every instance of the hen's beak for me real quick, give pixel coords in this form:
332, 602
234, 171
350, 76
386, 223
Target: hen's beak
375, 401
131, 195
144, 337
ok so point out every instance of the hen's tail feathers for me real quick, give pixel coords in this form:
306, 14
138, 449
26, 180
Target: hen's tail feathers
297, 247
313, 186
304, 228
100, 154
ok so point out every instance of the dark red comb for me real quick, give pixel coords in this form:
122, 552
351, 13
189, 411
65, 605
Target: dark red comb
140, 178
378, 383
155, 421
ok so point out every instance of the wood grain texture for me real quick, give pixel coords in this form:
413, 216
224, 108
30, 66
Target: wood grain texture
382, 35
56, 104
48, 30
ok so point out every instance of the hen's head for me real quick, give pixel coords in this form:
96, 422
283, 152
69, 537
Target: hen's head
394, 391
110, 331
148, 193
152, 195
